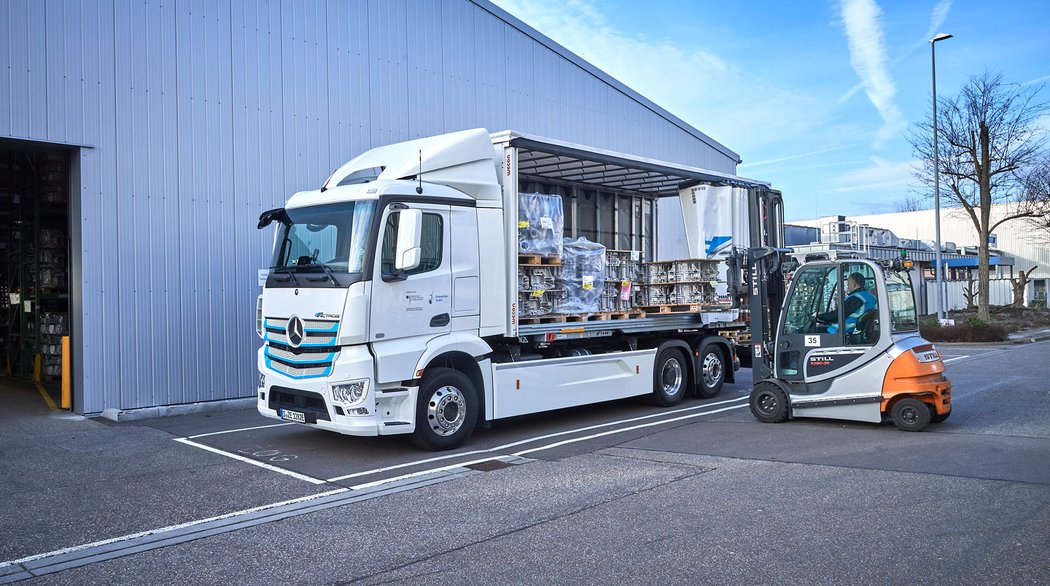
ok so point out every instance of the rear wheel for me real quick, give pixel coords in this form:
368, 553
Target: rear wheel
712, 372
769, 403
669, 377
910, 414
446, 409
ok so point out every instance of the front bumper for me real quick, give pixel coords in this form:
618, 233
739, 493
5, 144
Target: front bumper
384, 410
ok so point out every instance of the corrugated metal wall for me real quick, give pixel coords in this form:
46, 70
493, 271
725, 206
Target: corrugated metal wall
199, 114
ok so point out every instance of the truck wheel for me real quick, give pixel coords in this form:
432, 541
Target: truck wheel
768, 403
910, 414
712, 372
446, 409
934, 418
669, 377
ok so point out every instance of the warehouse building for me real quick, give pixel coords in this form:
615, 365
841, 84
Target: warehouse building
140, 140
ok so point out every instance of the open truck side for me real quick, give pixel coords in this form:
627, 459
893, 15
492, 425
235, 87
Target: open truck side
391, 306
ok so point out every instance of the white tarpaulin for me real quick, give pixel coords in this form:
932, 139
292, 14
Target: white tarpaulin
716, 220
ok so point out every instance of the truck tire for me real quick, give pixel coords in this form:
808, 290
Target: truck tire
710, 371
670, 376
910, 414
768, 403
446, 409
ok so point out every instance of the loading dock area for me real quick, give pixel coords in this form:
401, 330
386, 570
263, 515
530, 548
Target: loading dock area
90, 499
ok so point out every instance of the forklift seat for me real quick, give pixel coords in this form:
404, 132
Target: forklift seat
867, 328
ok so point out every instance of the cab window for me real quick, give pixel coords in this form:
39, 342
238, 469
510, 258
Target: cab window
860, 305
432, 236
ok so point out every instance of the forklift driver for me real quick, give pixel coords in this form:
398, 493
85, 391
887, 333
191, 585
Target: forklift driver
858, 302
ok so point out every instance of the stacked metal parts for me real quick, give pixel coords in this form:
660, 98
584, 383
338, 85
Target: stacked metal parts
582, 276
622, 272
680, 282
540, 224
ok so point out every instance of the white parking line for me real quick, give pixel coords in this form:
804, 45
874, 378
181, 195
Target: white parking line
284, 471
543, 437
241, 429
243, 512
956, 358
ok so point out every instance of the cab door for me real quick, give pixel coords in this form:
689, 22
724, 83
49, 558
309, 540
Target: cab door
812, 307
415, 302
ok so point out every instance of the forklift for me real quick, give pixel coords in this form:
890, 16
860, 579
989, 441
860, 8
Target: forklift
846, 342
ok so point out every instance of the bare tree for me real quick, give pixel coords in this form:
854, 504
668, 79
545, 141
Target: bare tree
1020, 283
989, 136
1037, 194
912, 203
970, 291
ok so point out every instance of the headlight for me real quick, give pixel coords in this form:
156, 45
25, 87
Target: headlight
262, 381
350, 393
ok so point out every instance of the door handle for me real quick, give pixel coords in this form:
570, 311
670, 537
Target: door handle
439, 321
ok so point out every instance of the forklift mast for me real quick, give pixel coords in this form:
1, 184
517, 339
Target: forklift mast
756, 275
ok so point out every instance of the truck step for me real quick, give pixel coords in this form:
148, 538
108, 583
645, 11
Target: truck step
537, 260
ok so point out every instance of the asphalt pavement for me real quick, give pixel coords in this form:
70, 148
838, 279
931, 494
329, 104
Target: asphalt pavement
622, 493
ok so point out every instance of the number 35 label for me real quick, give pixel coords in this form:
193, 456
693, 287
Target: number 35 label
812, 341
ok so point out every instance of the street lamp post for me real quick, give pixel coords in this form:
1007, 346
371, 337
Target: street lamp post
937, 177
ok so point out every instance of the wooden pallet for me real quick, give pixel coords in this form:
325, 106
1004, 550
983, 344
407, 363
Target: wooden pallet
673, 308
537, 260
545, 319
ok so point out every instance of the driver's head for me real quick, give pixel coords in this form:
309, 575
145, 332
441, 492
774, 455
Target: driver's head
855, 281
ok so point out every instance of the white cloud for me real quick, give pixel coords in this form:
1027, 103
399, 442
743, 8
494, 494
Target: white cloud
733, 106
861, 19
891, 177
940, 13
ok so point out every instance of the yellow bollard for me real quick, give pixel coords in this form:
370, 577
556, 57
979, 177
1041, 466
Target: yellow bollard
66, 382
38, 362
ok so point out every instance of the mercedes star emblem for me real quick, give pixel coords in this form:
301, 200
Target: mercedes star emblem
296, 331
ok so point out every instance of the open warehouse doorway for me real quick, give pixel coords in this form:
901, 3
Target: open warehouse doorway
36, 180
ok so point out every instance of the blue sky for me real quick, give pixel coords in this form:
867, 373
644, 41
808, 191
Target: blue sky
816, 97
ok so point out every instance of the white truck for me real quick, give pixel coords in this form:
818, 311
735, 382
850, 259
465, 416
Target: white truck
391, 303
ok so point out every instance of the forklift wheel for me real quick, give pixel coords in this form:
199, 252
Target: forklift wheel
911, 414
768, 402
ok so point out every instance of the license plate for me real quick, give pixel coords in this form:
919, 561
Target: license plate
293, 416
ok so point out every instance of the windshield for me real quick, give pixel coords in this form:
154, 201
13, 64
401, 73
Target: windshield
325, 238
902, 301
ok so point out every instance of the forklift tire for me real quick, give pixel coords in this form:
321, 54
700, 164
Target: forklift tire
710, 372
670, 377
768, 403
446, 409
934, 418
910, 414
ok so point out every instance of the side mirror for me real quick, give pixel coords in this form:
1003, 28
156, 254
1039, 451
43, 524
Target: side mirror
409, 234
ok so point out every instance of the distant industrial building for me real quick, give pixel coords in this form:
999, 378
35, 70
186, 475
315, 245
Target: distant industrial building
1014, 245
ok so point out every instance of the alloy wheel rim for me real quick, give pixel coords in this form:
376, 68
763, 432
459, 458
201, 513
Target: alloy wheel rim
712, 370
672, 378
446, 410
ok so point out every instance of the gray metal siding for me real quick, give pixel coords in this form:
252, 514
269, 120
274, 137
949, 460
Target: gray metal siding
197, 114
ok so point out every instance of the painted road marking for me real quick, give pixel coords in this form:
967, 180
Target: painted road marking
237, 430
541, 438
293, 503
956, 358
241, 458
